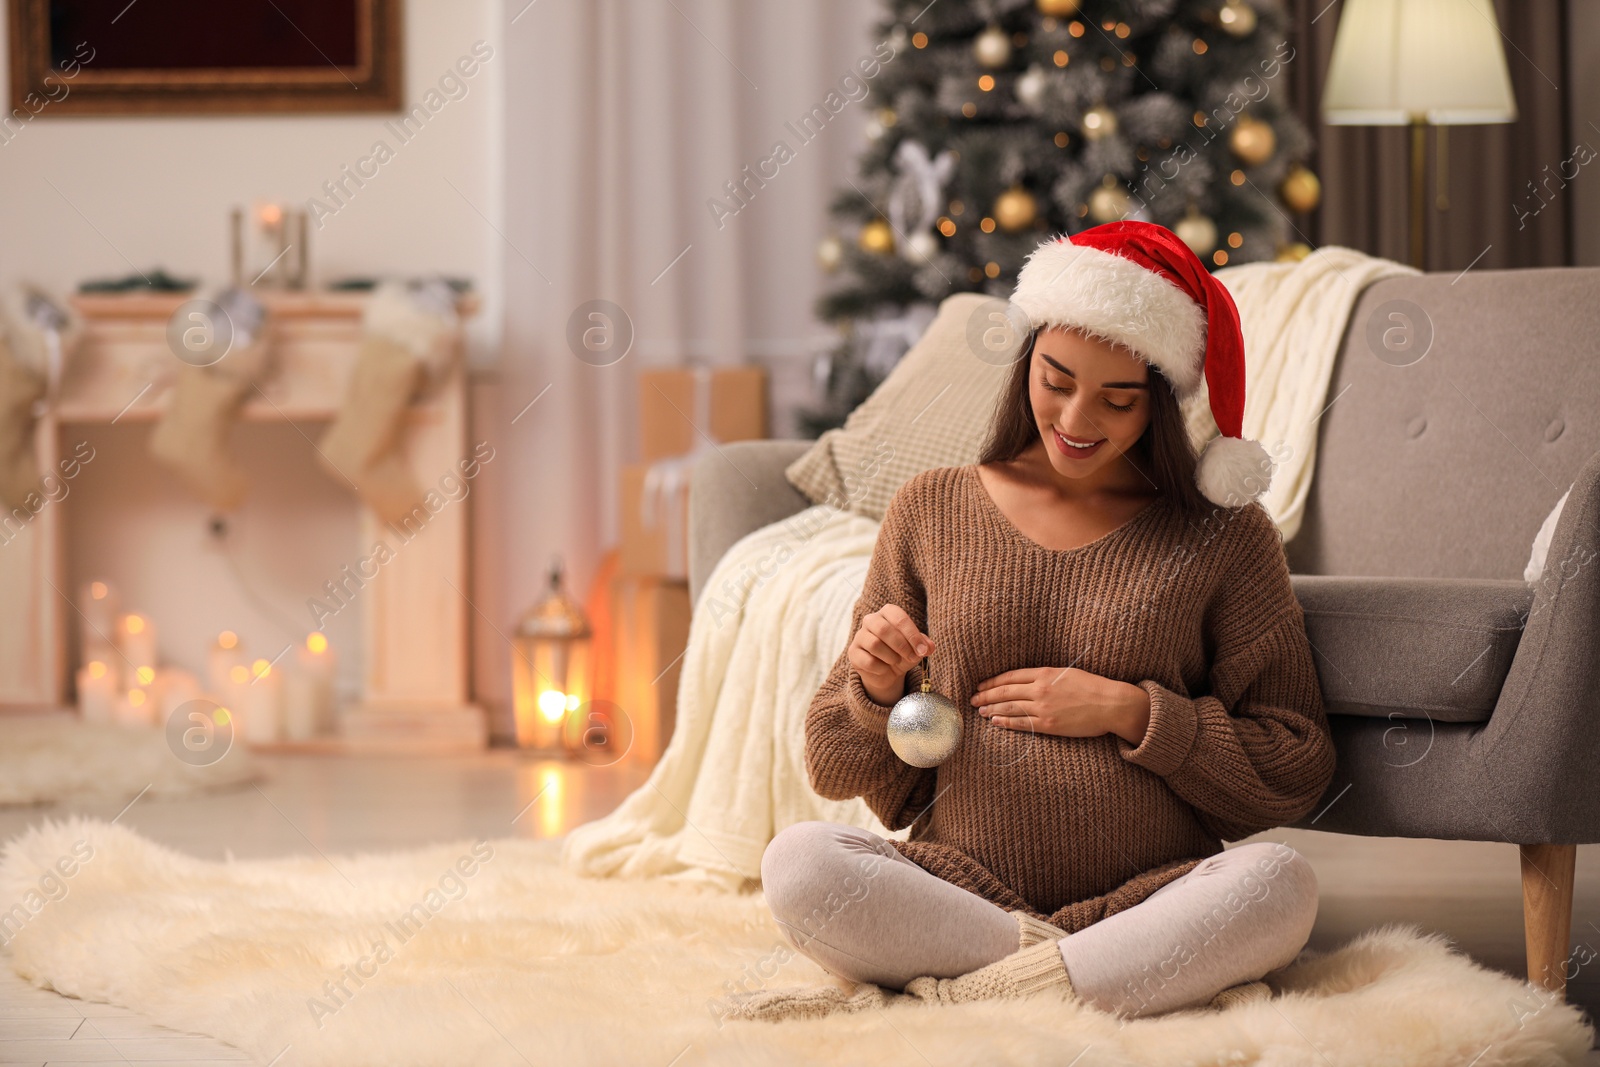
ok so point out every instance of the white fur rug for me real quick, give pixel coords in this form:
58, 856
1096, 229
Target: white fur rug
506, 959
44, 758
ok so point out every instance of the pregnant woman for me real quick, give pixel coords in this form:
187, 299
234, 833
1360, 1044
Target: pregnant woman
1116, 620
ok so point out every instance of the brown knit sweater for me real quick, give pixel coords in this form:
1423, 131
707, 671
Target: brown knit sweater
1197, 611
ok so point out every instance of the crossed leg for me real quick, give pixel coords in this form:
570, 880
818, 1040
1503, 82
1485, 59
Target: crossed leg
849, 900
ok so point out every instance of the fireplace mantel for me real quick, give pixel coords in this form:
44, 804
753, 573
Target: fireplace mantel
414, 693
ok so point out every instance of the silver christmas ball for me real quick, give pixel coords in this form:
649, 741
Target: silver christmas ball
992, 47
1031, 86
924, 728
920, 246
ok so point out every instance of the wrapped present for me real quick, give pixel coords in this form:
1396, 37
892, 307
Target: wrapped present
684, 414
650, 632
676, 403
655, 518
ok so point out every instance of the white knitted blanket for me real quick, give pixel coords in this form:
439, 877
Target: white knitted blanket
734, 771
771, 621
1294, 317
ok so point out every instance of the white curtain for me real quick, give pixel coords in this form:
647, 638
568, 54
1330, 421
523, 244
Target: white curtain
622, 119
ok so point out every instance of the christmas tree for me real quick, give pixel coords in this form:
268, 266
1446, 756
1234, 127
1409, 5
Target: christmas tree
999, 124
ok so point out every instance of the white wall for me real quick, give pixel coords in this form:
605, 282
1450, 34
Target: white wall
92, 197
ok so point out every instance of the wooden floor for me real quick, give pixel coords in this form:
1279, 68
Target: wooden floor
1468, 891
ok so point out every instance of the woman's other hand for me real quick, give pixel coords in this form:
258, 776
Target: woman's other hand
1064, 701
887, 645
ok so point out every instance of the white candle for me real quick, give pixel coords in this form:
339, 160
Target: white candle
173, 688
97, 691
308, 701
225, 655
136, 639
231, 695
135, 709
98, 604
260, 703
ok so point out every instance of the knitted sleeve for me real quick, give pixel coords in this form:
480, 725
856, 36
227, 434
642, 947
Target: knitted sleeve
847, 749
1255, 752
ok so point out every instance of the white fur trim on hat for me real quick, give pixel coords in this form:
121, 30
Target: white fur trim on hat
1233, 471
1112, 297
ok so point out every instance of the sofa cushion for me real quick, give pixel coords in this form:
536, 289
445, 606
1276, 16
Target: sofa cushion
933, 410
1434, 648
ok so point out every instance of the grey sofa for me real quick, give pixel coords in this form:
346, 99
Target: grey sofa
1464, 702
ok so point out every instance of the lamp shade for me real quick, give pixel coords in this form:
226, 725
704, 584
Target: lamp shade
1395, 61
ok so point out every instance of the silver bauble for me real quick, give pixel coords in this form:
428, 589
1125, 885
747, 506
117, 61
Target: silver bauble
1031, 86
992, 47
924, 727
920, 247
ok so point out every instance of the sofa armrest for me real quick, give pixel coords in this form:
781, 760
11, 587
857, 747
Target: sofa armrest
733, 491
1537, 754
1422, 648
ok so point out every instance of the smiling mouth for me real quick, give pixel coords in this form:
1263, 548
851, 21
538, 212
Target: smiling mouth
1076, 450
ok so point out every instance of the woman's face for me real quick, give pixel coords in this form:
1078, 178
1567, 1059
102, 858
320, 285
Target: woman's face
1090, 399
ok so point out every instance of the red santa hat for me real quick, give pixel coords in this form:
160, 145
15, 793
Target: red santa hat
1138, 285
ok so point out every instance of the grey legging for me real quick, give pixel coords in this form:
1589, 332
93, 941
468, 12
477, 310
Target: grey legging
849, 900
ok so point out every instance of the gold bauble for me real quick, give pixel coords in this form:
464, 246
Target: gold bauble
1252, 141
1099, 121
1293, 253
1109, 202
1300, 189
876, 237
1058, 8
1015, 209
1238, 19
1197, 231
830, 253
992, 47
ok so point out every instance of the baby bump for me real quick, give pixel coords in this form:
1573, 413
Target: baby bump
1060, 819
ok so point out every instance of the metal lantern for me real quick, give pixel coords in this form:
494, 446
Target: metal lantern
550, 672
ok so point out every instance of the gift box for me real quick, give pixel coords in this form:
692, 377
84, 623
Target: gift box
650, 631
655, 520
728, 403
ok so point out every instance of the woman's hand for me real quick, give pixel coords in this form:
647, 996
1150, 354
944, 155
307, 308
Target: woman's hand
887, 645
1064, 701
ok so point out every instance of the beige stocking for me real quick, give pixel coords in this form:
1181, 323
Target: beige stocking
192, 437
409, 338
364, 443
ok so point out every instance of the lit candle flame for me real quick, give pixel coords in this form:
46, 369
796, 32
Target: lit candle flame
552, 704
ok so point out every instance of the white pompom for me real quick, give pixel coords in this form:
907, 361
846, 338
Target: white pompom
1233, 471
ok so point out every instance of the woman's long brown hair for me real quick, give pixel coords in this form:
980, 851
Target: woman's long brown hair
1164, 451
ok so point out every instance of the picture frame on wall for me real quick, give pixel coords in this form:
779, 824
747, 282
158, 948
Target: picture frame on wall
200, 57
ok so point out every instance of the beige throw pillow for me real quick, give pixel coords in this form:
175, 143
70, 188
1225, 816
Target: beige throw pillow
933, 410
